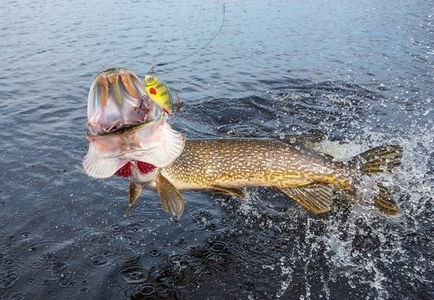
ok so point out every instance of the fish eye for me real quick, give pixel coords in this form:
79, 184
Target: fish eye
149, 78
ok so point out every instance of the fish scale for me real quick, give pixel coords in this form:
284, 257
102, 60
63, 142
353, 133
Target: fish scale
205, 163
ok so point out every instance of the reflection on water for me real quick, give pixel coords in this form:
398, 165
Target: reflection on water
359, 71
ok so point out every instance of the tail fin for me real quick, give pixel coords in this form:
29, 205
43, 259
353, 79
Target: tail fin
378, 159
384, 201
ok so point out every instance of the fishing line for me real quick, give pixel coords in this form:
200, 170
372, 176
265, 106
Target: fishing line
151, 70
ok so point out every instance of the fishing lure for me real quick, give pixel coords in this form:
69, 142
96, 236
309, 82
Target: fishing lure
160, 93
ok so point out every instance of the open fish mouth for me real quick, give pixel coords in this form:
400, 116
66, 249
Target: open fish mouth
125, 125
117, 99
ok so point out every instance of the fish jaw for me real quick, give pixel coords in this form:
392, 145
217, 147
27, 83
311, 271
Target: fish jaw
117, 98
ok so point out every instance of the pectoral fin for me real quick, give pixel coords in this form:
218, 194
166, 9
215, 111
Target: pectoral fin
134, 192
316, 198
384, 201
229, 191
171, 199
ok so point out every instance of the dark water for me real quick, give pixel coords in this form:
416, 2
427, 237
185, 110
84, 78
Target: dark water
360, 71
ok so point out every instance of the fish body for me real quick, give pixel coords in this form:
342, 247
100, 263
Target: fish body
226, 166
249, 162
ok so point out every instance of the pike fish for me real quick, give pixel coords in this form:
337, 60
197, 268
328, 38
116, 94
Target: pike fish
129, 136
228, 165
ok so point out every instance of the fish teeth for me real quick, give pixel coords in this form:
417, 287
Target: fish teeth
127, 82
115, 88
103, 87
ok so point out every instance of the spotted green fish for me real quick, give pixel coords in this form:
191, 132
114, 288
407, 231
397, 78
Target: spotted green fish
227, 165
159, 93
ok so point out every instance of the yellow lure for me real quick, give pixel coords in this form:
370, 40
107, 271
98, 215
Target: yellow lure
159, 93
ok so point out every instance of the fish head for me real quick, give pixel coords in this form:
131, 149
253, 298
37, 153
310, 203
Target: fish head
159, 92
117, 98
125, 126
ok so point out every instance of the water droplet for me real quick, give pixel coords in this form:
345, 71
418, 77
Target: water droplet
154, 252
144, 290
116, 228
37, 265
53, 292
15, 295
98, 259
59, 266
134, 275
25, 234
8, 279
218, 246
67, 283
81, 273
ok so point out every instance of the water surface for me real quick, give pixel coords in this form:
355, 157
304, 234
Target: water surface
359, 71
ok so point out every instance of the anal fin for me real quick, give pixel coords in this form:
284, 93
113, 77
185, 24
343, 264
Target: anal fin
171, 199
316, 198
228, 191
384, 201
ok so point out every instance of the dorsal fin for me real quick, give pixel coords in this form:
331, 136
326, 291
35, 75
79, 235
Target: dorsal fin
312, 137
316, 198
